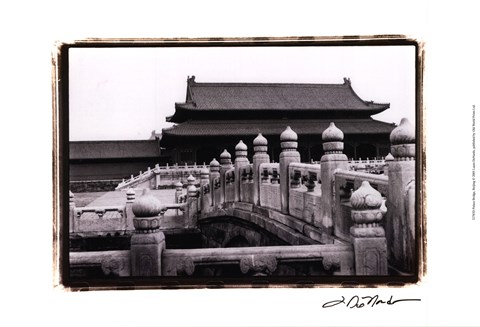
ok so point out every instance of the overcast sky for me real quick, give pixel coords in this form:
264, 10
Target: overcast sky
125, 93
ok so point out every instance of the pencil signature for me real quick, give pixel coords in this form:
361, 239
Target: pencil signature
364, 301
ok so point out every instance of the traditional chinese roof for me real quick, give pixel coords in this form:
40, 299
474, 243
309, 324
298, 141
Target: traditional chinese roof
282, 98
273, 127
114, 149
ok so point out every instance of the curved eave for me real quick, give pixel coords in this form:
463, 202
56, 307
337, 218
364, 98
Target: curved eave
184, 112
375, 107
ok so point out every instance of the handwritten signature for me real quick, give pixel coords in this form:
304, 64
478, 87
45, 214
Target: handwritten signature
364, 301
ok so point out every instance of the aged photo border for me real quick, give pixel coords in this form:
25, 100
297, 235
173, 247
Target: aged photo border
60, 85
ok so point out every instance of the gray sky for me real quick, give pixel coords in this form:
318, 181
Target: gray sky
125, 93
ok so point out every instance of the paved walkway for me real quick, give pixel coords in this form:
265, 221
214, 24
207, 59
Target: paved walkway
115, 198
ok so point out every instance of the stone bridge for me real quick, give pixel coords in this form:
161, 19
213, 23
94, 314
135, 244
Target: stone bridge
267, 218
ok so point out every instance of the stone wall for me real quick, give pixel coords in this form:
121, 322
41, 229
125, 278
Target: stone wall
93, 186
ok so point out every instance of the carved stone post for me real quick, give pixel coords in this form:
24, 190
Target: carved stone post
206, 195
260, 148
289, 154
369, 242
128, 208
333, 159
400, 224
226, 164
214, 186
389, 158
148, 242
240, 161
192, 203
178, 193
71, 212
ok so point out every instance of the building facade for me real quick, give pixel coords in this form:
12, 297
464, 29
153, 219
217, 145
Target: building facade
216, 115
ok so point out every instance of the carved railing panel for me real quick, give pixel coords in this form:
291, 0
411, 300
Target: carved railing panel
270, 186
100, 220
259, 261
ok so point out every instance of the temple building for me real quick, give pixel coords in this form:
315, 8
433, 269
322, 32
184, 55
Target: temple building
216, 115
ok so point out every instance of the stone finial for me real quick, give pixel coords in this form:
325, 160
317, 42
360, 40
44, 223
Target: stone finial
130, 195
366, 197
403, 133
241, 146
403, 140
214, 165
204, 172
179, 186
225, 158
332, 139
191, 180
367, 212
389, 157
288, 140
225, 155
332, 134
260, 143
241, 149
146, 205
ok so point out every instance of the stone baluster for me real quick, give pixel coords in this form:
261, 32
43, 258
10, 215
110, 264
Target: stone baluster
240, 161
206, 196
388, 159
226, 164
178, 193
128, 208
289, 154
260, 148
192, 203
333, 159
71, 212
401, 172
148, 242
214, 174
369, 242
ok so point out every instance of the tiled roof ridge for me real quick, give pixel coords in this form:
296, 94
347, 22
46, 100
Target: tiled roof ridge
246, 84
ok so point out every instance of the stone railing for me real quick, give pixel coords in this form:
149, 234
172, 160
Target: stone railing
261, 261
369, 165
339, 205
101, 220
162, 176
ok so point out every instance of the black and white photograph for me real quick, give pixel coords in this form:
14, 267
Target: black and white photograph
206, 162
255, 163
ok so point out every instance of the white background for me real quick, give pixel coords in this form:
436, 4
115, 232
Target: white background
29, 30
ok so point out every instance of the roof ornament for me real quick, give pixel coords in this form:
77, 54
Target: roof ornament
191, 79
346, 80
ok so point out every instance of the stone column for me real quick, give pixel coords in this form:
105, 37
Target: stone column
369, 242
333, 159
226, 164
148, 242
71, 212
400, 224
289, 154
192, 203
240, 161
215, 174
260, 147
128, 208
